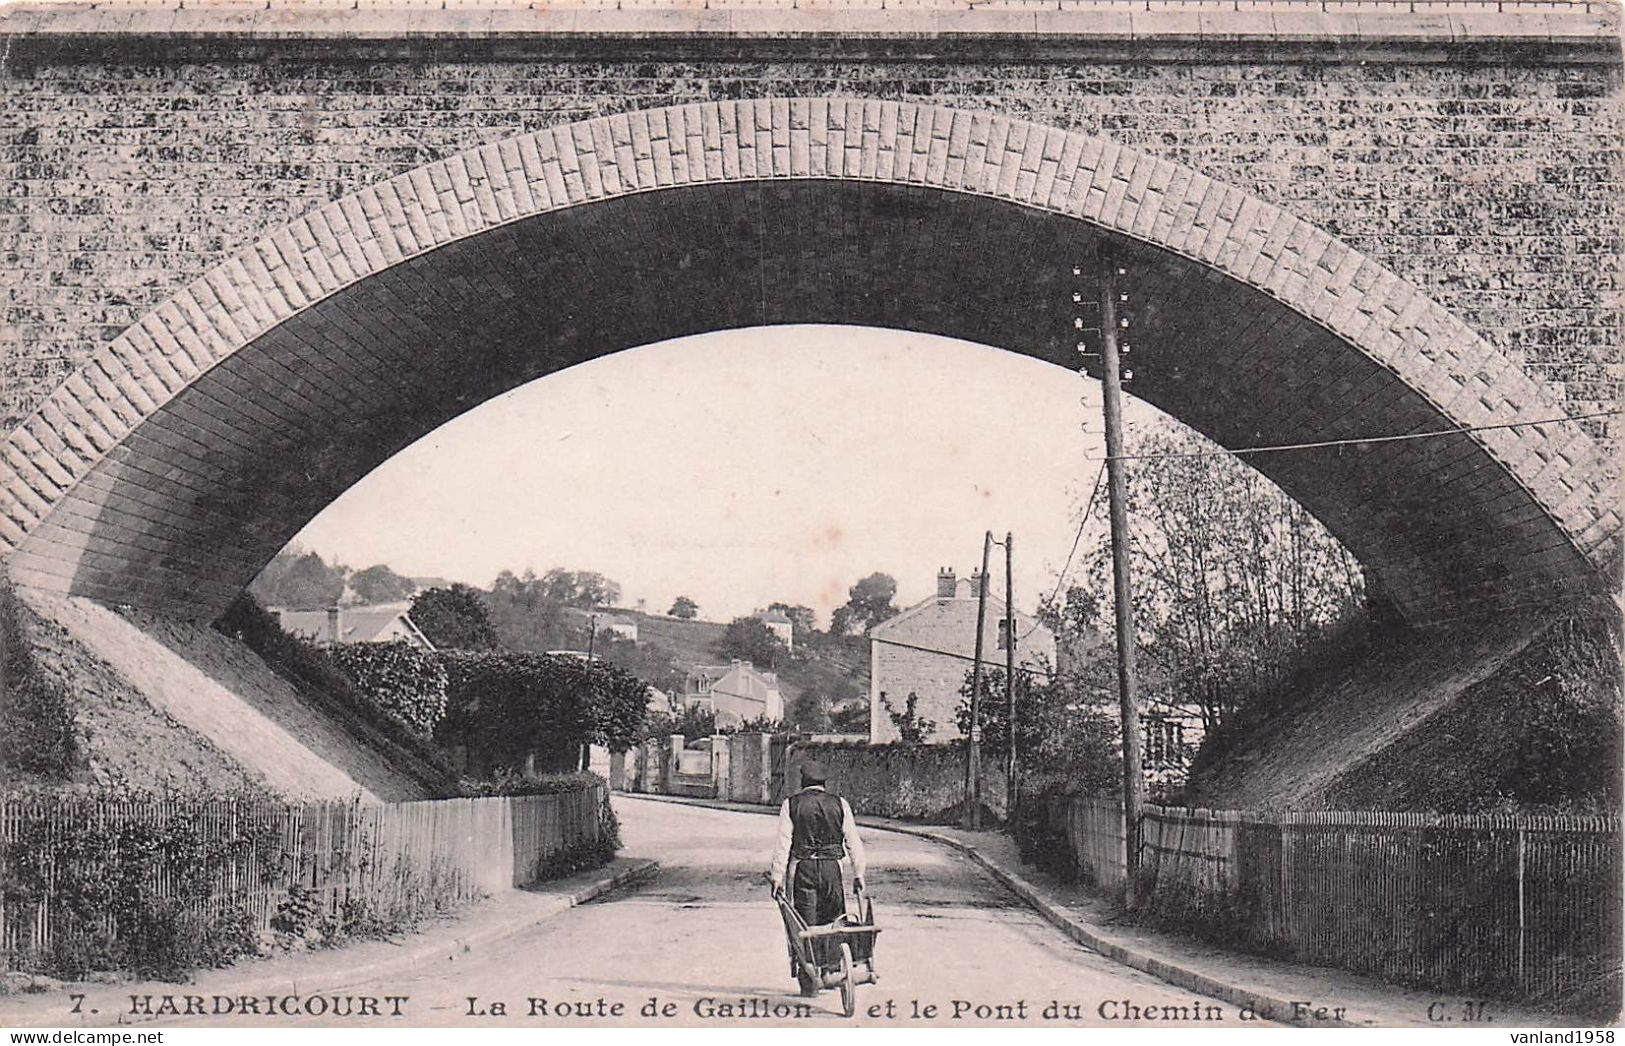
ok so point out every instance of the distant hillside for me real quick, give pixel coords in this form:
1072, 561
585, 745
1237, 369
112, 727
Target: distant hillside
838, 668
690, 642
667, 647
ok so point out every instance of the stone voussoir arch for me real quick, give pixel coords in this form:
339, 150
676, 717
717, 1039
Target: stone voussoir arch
1141, 198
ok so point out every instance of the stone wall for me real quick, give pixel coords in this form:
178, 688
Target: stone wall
909, 782
128, 169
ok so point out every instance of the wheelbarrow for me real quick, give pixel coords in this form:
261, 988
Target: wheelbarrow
840, 955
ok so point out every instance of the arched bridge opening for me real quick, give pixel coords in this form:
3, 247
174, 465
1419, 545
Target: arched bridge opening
174, 464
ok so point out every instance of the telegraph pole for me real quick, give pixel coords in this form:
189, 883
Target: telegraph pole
973, 751
1128, 699
1010, 673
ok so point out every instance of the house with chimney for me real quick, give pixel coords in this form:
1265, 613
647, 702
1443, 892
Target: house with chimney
780, 625
381, 623
926, 650
735, 693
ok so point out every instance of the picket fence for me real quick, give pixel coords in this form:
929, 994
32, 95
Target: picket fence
1510, 905
398, 861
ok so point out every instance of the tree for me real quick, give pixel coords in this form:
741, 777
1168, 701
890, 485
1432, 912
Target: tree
684, 608
584, 589
1066, 732
1073, 618
850, 718
1231, 577
748, 639
523, 616
299, 581
803, 618
516, 590
454, 618
380, 584
755, 725
912, 728
692, 721
648, 661
868, 603
809, 711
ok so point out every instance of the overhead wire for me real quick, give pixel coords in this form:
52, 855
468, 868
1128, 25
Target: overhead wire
1028, 669
1076, 540
1357, 440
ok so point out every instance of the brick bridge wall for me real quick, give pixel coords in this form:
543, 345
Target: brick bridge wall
1491, 179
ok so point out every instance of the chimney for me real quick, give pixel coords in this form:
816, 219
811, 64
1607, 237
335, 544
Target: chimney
332, 624
945, 583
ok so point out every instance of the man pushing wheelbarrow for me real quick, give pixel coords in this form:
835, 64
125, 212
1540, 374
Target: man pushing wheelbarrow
816, 832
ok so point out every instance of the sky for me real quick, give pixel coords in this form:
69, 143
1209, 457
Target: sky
745, 467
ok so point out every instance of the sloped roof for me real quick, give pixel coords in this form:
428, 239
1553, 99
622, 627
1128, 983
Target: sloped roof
745, 682
929, 617
358, 624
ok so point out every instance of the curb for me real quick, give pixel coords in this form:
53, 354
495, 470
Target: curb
426, 952
1279, 1009
636, 872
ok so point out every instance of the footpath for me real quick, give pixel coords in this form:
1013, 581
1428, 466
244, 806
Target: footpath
434, 946
1292, 993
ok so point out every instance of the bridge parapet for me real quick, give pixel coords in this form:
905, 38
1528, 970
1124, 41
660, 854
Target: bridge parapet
1032, 23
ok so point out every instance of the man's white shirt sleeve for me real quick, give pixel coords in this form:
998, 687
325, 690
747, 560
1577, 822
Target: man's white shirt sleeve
781, 855
849, 834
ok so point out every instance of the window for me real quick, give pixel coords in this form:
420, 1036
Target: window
1004, 633
1164, 744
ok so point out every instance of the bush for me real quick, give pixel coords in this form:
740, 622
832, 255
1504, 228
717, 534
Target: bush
692, 721
404, 681
587, 855
508, 707
912, 728
506, 782
106, 914
1038, 841
314, 675
37, 735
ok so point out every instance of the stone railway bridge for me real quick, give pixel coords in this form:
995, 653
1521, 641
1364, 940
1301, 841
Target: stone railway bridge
249, 253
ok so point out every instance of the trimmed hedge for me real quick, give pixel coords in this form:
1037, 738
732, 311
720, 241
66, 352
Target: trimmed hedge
506, 707
404, 681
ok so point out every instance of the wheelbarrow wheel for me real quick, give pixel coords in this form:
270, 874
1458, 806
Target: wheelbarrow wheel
849, 983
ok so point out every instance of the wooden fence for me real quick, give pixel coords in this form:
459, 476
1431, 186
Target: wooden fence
1515, 906
1094, 833
395, 862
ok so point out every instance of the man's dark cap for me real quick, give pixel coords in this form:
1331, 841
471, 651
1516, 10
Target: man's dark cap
813, 773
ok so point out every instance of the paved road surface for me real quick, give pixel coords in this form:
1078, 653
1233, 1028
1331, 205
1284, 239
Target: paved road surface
704, 942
